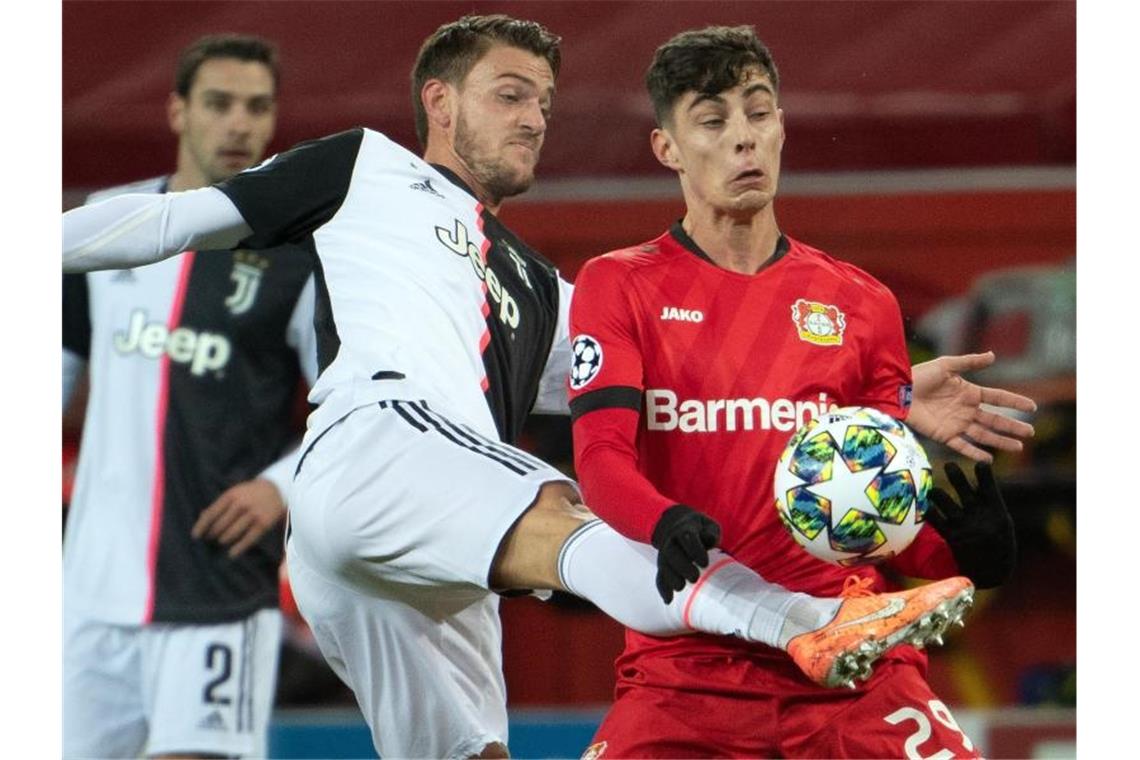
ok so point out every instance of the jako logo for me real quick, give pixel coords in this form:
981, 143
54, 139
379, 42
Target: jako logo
459, 243
663, 412
681, 315
204, 352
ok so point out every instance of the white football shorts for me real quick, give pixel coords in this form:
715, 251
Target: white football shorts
169, 688
397, 494
395, 518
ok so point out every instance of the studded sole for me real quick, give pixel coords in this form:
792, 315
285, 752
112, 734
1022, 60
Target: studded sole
928, 629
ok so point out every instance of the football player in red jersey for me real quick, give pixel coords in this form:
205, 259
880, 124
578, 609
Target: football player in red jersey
697, 355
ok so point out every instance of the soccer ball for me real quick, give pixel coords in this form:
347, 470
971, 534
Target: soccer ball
852, 486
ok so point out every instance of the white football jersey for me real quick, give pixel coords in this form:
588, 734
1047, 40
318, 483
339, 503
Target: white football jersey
194, 362
421, 292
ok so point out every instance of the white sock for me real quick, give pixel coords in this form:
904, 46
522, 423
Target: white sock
599, 564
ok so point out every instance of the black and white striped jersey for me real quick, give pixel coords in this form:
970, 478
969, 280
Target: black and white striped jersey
193, 363
421, 292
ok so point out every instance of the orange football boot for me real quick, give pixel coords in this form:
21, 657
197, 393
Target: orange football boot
868, 624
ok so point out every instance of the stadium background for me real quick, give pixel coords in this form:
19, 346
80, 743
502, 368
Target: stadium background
932, 143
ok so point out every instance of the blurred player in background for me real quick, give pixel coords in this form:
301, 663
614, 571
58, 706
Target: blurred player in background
438, 332
174, 540
707, 312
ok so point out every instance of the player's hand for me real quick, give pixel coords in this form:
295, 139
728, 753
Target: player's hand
948, 408
241, 515
979, 529
682, 537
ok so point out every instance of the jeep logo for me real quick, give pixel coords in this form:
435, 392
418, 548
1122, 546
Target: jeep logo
457, 241
203, 352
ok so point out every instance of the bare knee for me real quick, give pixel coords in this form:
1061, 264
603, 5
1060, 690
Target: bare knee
528, 554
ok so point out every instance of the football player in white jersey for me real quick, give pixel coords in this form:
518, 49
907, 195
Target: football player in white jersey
174, 539
438, 331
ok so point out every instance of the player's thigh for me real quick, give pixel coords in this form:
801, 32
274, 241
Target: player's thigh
650, 721
209, 688
397, 493
103, 713
896, 716
426, 673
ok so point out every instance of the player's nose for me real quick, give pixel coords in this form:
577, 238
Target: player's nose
741, 133
239, 121
533, 120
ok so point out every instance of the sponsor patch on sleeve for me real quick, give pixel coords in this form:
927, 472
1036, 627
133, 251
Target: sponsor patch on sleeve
906, 396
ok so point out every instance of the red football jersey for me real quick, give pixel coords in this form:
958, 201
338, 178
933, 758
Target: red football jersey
689, 379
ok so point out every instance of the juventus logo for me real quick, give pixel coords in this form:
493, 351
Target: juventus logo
246, 274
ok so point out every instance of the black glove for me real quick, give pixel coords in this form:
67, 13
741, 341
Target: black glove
682, 537
979, 530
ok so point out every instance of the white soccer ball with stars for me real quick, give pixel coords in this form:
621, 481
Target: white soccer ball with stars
852, 486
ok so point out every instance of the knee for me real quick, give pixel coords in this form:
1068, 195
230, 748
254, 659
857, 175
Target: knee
560, 498
527, 556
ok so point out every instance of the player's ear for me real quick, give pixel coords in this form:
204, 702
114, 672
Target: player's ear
176, 113
664, 149
438, 101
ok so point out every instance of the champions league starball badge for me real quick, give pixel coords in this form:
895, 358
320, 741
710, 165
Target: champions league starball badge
587, 361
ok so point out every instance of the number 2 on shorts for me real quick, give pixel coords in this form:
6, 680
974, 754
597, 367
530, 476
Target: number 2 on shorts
218, 655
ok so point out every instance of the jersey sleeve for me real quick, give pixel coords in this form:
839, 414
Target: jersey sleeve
141, 228
290, 194
301, 333
281, 472
606, 386
552, 398
886, 363
928, 557
301, 336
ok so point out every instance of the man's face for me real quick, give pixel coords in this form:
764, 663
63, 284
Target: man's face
726, 147
500, 120
226, 120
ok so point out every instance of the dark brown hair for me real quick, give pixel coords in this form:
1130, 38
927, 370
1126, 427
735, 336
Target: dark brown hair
243, 47
707, 61
453, 49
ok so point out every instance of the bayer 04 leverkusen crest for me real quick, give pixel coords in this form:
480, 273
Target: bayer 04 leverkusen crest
819, 323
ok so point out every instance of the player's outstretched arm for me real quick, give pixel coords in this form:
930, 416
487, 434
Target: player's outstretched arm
136, 229
241, 515
949, 409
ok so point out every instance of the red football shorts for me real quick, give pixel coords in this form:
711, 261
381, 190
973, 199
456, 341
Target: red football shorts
729, 709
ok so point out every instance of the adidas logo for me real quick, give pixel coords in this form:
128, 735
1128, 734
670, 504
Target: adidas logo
124, 275
426, 187
213, 722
